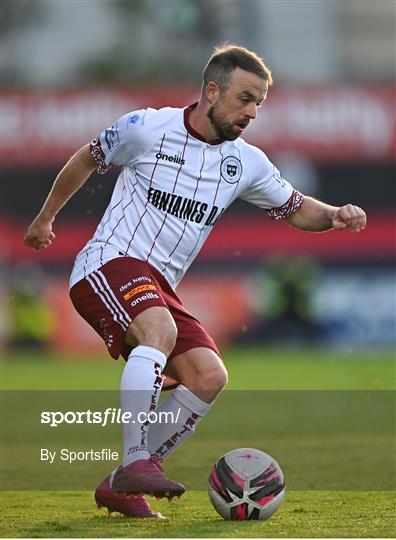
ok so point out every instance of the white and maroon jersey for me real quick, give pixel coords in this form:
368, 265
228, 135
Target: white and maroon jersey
172, 189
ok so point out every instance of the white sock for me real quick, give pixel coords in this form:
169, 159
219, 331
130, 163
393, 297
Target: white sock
164, 438
141, 385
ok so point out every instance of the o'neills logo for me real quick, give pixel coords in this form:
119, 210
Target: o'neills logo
172, 159
147, 296
138, 290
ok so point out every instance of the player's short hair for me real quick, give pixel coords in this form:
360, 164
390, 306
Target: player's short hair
226, 58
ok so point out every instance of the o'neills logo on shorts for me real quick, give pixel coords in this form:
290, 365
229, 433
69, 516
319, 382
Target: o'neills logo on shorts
147, 296
138, 290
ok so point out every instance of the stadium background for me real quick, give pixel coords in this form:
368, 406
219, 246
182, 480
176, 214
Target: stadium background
71, 68
294, 312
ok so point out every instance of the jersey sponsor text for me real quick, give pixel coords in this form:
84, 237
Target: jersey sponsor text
183, 207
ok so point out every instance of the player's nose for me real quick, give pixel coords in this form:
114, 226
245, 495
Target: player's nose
251, 111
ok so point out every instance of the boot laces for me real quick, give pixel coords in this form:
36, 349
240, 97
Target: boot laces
152, 468
157, 461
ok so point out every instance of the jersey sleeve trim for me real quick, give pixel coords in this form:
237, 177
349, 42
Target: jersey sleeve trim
290, 207
98, 155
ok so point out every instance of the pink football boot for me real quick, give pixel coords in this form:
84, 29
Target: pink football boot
146, 476
129, 505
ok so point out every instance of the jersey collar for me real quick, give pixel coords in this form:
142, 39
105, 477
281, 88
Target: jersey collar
191, 130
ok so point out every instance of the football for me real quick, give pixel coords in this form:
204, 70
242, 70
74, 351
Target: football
246, 484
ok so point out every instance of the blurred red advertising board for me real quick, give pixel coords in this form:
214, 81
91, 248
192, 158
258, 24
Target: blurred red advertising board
247, 237
325, 123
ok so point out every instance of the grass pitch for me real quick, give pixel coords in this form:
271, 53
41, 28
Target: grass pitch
249, 368
304, 514
352, 512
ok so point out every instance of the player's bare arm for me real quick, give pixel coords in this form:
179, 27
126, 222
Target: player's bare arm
316, 216
70, 179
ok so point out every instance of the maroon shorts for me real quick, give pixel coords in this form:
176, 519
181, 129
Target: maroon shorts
111, 297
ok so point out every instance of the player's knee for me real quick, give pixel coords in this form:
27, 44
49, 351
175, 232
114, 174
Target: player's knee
216, 379
209, 385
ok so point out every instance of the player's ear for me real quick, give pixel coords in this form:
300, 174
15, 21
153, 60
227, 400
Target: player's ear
212, 91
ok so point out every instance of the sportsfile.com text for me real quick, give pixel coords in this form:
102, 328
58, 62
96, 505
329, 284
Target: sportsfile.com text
108, 416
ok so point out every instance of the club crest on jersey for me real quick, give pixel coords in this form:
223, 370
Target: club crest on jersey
231, 169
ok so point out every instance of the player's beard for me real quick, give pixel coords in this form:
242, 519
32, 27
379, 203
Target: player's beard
223, 130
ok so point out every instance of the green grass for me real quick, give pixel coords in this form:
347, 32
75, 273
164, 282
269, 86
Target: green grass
336, 448
304, 514
249, 368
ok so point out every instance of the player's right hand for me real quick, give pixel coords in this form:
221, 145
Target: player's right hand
39, 235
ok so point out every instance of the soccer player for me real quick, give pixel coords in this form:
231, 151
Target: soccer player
181, 168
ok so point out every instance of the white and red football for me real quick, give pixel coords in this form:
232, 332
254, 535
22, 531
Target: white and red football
246, 484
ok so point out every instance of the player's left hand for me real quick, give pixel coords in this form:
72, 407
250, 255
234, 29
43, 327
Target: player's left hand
349, 217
